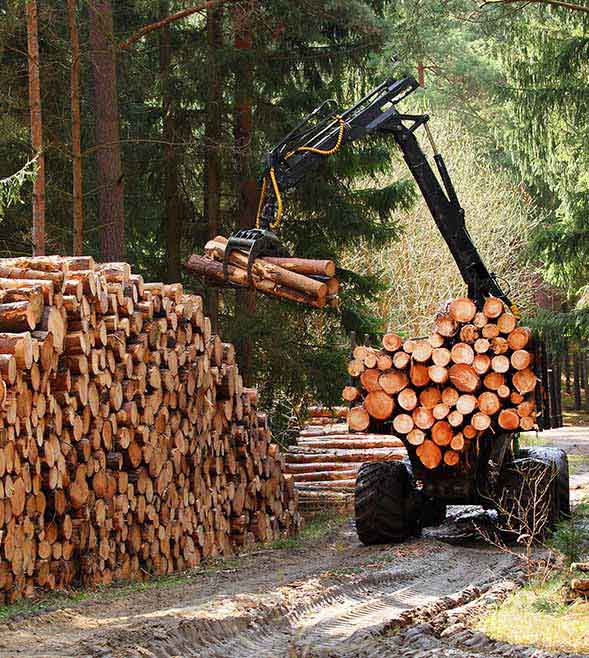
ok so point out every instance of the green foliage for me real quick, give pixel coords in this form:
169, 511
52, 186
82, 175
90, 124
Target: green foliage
11, 188
571, 537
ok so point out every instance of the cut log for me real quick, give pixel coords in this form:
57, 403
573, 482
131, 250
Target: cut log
481, 363
488, 403
442, 433
438, 374
391, 342
521, 359
524, 381
493, 307
518, 338
350, 393
455, 418
422, 351
430, 397
508, 419
446, 326
441, 356
306, 266
401, 360
393, 381
500, 363
419, 374
451, 458
423, 418
403, 423
506, 323
480, 421
358, 419
407, 399
379, 405
464, 378
469, 334
494, 380
370, 379
450, 395
466, 404
429, 454
462, 309
462, 353
416, 437
441, 411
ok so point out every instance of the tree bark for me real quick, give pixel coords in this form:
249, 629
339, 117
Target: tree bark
111, 216
172, 218
36, 129
78, 211
246, 182
212, 159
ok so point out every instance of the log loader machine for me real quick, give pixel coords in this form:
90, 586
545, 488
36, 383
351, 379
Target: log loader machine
394, 500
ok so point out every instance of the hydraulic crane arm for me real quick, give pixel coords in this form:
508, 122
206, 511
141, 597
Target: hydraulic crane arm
303, 149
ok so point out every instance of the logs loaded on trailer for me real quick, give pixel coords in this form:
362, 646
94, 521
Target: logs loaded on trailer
128, 443
310, 282
326, 458
471, 378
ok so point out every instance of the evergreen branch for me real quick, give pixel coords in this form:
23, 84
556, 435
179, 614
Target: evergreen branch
555, 3
184, 13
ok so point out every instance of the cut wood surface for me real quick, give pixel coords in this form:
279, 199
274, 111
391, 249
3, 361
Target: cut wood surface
444, 392
310, 282
130, 445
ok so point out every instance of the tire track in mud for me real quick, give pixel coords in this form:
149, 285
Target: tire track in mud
335, 620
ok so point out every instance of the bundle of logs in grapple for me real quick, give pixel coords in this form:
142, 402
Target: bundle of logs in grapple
128, 444
307, 281
472, 376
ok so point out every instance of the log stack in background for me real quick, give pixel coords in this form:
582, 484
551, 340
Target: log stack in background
473, 376
128, 444
310, 282
326, 459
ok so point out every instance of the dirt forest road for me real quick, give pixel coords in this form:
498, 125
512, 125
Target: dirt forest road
330, 598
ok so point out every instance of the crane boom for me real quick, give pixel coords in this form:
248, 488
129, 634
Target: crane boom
305, 147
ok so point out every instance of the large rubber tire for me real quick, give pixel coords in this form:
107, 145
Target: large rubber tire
386, 503
558, 456
533, 493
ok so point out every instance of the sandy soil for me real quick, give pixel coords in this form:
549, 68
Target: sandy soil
319, 600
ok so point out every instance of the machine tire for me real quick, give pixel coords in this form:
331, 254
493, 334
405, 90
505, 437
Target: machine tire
386, 503
521, 498
433, 513
559, 457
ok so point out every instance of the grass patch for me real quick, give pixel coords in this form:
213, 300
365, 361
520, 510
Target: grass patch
314, 529
537, 615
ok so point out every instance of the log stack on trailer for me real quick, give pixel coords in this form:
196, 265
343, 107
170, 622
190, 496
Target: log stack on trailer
326, 459
307, 281
474, 376
128, 443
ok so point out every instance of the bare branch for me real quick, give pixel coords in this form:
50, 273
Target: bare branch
555, 3
184, 13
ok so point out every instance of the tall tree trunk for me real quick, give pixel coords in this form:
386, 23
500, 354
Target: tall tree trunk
172, 218
36, 129
246, 182
212, 141
111, 216
78, 245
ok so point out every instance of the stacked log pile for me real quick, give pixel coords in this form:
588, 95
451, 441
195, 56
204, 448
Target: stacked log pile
310, 282
326, 459
472, 377
128, 444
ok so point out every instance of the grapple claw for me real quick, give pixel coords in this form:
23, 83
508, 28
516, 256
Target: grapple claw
255, 243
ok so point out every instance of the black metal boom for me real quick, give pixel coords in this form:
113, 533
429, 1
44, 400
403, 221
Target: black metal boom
304, 148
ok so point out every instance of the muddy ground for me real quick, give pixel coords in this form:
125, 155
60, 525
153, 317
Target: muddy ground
321, 599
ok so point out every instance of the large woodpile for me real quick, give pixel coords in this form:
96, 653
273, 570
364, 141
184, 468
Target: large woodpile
128, 444
326, 459
472, 377
310, 282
